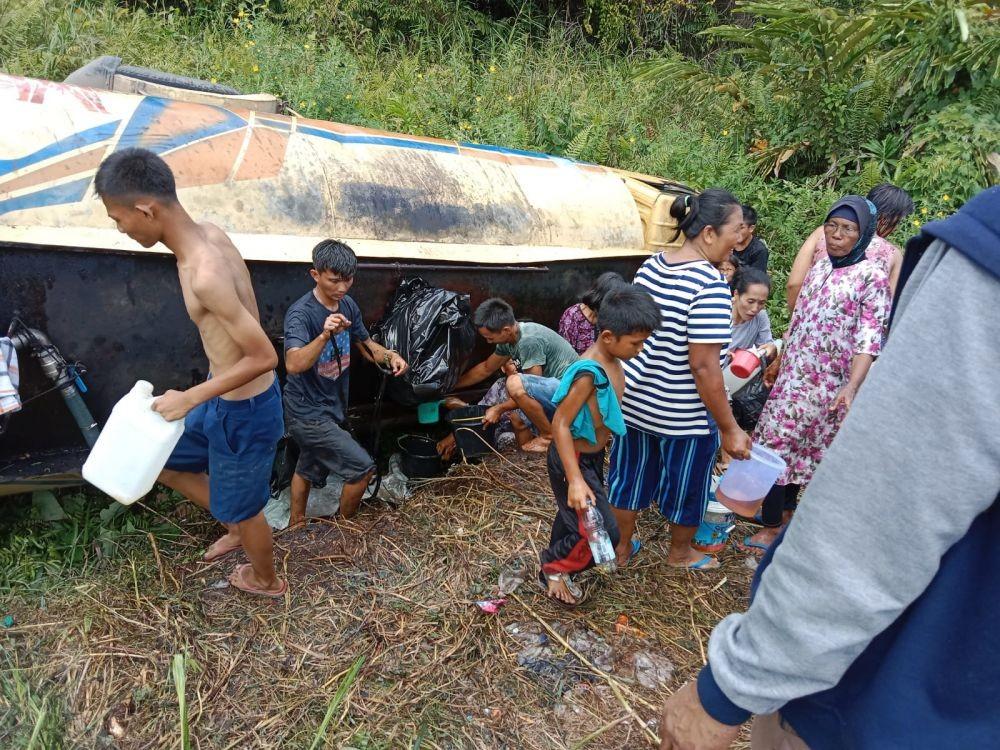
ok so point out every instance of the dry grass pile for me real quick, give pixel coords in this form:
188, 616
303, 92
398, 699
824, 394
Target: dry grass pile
391, 595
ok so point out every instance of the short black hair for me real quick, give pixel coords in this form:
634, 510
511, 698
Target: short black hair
628, 309
747, 276
605, 283
494, 314
749, 214
135, 171
335, 256
893, 203
710, 209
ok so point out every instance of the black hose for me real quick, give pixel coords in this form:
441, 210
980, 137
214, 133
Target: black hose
377, 440
63, 375
384, 372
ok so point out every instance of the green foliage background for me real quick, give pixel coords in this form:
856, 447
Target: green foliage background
788, 104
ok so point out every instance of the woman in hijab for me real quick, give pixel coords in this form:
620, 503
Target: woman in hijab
894, 204
834, 336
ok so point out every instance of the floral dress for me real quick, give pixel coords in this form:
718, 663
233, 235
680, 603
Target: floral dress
576, 329
840, 313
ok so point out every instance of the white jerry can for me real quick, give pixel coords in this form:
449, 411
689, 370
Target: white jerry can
133, 447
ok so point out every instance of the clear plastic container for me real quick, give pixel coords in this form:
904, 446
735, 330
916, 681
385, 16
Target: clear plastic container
601, 548
133, 447
745, 483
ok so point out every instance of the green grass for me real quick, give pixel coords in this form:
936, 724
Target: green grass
37, 554
440, 68
32, 716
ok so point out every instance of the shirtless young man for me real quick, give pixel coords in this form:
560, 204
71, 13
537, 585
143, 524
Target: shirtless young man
233, 421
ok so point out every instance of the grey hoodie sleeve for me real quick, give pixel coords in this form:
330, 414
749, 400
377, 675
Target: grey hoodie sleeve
916, 460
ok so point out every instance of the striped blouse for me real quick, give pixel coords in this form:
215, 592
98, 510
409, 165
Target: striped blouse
696, 306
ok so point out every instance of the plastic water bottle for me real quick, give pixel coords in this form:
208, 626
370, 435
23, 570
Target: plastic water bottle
133, 447
600, 543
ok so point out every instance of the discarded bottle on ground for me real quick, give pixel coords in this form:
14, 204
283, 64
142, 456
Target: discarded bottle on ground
600, 543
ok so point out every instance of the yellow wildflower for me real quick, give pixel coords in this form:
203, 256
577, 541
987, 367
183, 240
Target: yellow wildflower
256, 69
249, 25
725, 132
479, 98
215, 80
631, 139
946, 197
348, 96
420, 76
306, 47
924, 210
493, 69
916, 223
510, 98
302, 104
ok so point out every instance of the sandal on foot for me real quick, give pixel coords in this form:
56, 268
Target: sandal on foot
706, 563
218, 550
237, 579
749, 545
636, 548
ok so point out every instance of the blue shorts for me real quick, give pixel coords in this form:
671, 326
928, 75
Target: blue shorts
674, 472
541, 389
235, 442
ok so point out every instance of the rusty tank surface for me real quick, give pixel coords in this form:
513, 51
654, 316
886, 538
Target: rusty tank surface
531, 228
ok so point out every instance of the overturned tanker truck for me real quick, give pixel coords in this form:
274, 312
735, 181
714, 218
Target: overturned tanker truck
90, 311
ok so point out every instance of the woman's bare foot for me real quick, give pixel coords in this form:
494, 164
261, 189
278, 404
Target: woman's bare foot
538, 445
765, 537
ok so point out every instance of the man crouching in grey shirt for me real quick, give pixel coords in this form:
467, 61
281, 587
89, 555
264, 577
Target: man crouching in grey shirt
874, 620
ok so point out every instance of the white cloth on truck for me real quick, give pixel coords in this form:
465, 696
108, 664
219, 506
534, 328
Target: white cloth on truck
10, 378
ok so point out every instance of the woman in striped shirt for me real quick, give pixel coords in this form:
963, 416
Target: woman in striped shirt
675, 404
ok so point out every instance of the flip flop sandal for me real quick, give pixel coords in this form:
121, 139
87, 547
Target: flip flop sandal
636, 549
215, 551
748, 545
705, 563
237, 580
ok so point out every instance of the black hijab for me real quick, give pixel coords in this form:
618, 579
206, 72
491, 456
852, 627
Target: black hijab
866, 212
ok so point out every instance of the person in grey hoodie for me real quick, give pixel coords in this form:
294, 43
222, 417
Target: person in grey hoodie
873, 621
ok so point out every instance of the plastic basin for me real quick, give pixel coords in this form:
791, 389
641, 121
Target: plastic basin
745, 483
420, 458
473, 438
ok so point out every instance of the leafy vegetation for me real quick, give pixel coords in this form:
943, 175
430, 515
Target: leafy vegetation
35, 554
786, 103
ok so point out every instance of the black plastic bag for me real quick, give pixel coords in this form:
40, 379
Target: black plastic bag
432, 330
748, 402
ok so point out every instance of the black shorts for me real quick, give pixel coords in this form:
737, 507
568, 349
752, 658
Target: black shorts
327, 448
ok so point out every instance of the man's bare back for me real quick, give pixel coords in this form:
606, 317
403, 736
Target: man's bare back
214, 272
